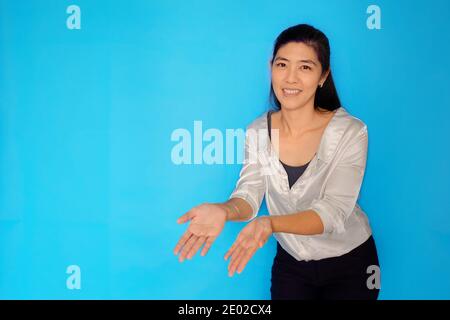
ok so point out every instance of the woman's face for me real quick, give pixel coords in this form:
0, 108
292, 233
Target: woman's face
296, 74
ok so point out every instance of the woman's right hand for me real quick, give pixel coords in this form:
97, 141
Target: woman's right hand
207, 221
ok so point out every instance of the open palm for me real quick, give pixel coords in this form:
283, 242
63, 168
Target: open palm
206, 223
252, 237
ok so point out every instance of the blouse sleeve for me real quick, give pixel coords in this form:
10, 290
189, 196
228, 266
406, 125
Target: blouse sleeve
251, 183
343, 185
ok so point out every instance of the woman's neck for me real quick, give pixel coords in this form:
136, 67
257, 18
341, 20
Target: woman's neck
296, 122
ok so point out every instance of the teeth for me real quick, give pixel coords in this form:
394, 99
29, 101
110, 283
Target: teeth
287, 91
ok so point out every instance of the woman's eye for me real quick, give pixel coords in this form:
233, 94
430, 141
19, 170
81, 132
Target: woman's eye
280, 64
306, 67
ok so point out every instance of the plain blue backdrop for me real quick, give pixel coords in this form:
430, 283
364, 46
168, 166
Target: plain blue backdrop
86, 176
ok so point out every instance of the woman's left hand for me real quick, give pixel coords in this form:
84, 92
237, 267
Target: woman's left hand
254, 235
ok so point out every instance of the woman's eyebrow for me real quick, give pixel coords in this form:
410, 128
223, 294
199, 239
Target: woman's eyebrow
303, 60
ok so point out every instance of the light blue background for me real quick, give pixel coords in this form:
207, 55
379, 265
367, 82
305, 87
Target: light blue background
86, 116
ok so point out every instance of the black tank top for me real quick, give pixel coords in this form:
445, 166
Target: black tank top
293, 172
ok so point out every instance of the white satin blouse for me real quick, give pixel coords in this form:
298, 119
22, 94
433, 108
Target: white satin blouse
330, 186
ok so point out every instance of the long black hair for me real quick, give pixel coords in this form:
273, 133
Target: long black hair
325, 97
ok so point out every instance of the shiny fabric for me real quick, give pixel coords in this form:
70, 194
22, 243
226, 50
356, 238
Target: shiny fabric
330, 186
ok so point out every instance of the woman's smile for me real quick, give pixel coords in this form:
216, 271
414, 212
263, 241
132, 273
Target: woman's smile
291, 92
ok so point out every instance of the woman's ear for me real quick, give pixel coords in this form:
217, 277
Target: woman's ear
325, 76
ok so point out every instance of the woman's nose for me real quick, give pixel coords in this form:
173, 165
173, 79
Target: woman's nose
291, 76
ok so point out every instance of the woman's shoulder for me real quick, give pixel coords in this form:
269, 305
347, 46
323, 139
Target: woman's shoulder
260, 122
342, 130
348, 122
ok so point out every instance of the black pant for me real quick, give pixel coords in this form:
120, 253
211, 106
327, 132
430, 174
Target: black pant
336, 278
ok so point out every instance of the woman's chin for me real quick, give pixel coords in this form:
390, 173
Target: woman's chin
291, 105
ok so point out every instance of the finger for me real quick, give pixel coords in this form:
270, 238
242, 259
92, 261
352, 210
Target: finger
233, 248
234, 259
241, 247
200, 241
245, 258
262, 242
185, 217
230, 251
235, 256
209, 242
261, 237
182, 241
187, 247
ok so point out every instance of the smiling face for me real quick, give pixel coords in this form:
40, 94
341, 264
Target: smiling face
296, 74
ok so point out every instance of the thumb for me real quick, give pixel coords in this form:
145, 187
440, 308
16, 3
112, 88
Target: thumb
262, 242
185, 217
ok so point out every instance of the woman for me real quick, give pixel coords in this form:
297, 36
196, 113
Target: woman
310, 167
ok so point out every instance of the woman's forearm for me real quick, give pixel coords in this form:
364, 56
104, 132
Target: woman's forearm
237, 209
304, 223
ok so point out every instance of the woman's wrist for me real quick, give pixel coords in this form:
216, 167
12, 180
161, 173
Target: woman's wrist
229, 210
270, 222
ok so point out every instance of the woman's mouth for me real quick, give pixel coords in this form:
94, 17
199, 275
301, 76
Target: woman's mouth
291, 92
